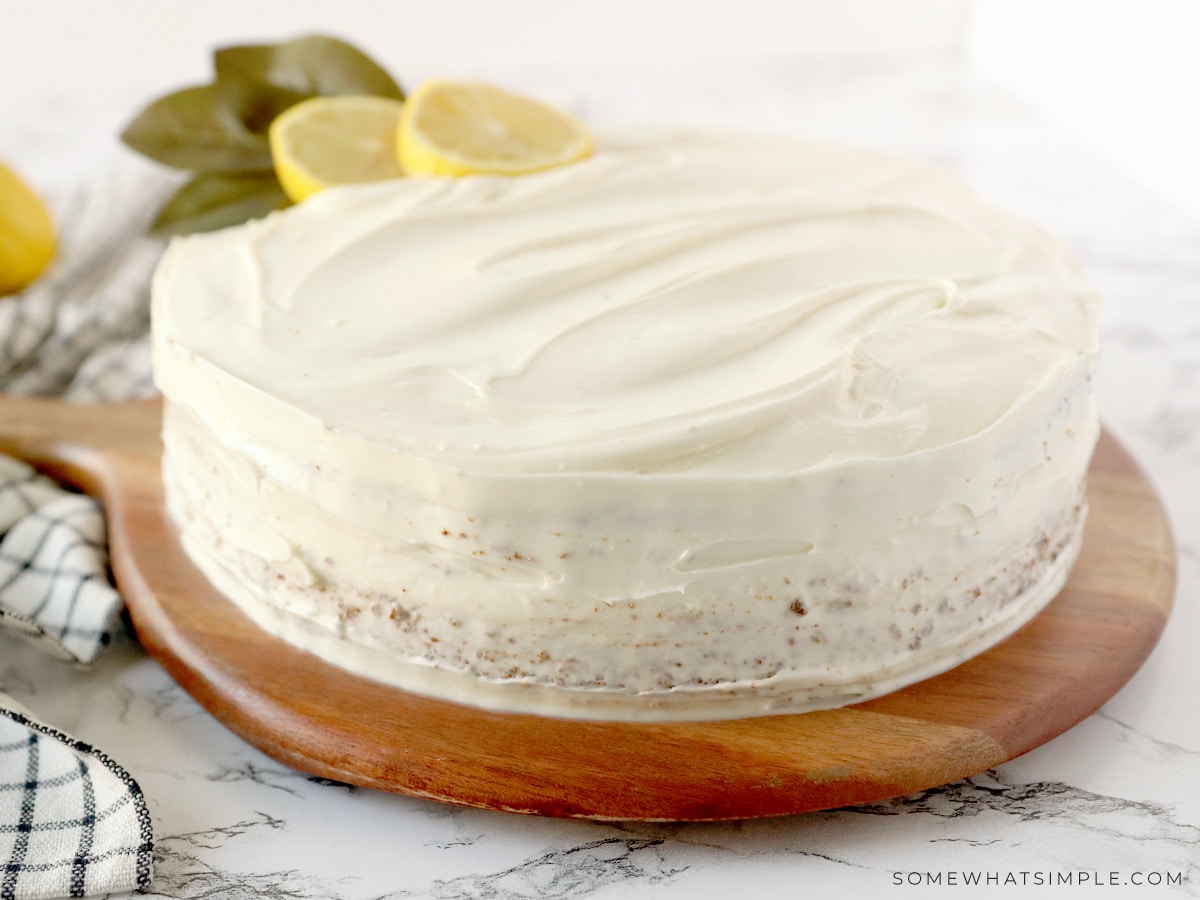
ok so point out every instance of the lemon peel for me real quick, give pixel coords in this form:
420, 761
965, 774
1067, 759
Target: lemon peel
27, 240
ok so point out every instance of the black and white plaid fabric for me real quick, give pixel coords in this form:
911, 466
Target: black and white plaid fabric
81, 331
54, 586
72, 822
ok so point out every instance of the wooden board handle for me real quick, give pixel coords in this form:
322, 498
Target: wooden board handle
81, 444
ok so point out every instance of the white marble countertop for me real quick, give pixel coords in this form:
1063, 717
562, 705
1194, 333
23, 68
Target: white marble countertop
1116, 796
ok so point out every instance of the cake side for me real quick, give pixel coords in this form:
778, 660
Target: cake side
619, 608
872, 469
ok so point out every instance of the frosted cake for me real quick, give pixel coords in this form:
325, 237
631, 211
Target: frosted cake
709, 425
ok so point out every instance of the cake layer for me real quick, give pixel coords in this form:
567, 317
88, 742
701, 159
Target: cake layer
706, 426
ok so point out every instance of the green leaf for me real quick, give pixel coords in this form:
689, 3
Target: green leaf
201, 128
214, 200
311, 65
257, 103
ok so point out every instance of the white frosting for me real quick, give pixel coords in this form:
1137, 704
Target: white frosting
706, 425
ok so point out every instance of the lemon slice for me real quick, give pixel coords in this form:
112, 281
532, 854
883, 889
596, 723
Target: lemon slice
468, 127
26, 234
327, 141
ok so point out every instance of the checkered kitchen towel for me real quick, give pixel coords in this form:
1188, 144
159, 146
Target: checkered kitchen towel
54, 587
72, 822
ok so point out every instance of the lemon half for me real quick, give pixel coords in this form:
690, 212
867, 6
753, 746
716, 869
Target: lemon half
327, 141
470, 127
26, 233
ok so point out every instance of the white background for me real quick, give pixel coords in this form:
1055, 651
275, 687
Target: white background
1124, 76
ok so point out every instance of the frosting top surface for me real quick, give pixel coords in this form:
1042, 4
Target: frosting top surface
681, 302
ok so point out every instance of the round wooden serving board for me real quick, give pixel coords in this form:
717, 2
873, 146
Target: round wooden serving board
304, 712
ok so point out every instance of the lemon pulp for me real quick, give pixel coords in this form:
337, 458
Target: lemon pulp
327, 141
470, 127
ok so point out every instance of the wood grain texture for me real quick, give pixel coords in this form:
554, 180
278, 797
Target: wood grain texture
302, 711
